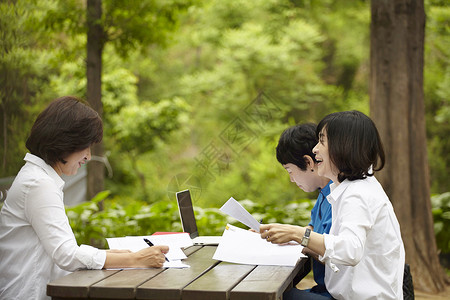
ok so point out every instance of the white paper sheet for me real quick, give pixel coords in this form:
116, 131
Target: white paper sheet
180, 240
176, 264
246, 247
237, 211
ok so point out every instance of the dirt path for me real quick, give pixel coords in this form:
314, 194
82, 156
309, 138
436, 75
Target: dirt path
308, 282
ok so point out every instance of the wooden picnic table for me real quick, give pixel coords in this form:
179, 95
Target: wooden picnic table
205, 279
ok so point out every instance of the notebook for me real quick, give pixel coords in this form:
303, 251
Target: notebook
188, 220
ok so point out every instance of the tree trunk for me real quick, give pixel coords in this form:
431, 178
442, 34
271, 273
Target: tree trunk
95, 40
397, 107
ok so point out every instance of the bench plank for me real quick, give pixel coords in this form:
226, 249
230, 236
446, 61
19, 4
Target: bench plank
168, 285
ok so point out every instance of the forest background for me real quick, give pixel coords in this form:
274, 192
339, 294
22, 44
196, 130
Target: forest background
199, 97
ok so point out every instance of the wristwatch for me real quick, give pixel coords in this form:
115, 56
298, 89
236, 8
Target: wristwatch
305, 239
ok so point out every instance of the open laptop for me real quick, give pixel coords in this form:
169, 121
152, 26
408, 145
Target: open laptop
188, 220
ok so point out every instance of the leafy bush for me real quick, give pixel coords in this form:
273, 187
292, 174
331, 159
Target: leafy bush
122, 217
441, 214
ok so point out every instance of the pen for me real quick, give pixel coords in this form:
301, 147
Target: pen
150, 244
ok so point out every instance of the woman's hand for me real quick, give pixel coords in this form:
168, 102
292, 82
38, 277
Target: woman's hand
148, 257
281, 233
151, 256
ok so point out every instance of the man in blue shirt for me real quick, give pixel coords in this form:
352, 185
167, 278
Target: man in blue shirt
294, 152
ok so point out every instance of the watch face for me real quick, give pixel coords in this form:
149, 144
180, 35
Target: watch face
305, 239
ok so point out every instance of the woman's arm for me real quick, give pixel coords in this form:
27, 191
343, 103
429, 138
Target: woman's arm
45, 211
283, 233
147, 257
308, 251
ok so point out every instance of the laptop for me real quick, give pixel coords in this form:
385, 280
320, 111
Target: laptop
188, 221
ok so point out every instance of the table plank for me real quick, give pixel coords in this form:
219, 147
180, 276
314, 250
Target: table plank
77, 284
266, 282
191, 249
122, 285
169, 284
217, 282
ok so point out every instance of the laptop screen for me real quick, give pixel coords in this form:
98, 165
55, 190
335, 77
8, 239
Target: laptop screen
187, 213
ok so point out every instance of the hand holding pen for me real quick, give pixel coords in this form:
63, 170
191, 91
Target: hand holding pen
150, 244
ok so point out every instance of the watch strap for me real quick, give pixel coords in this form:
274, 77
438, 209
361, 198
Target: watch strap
305, 239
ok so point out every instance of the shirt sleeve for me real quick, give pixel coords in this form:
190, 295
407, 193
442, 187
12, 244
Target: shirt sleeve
45, 211
346, 247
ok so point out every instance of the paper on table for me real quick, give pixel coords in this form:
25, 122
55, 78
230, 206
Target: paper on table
136, 243
175, 264
246, 247
180, 240
237, 211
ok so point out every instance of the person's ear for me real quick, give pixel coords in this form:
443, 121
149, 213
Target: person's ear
309, 163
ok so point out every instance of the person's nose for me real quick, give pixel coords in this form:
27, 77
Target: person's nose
315, 149
88, 154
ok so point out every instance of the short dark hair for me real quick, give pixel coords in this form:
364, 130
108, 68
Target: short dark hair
296, 142
66, 126
354, 144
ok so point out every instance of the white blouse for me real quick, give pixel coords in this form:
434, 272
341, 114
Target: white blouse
37, 244
364, 255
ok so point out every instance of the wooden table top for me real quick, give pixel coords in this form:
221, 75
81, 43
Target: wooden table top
205, 279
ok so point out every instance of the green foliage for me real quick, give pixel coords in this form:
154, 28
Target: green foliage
437, 92
23, 69
122, 217
138, 128
441, 214
245, 56
128, 25
119, 218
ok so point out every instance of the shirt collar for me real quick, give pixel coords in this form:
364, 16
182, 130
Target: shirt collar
337, 190
46, 167
326, 189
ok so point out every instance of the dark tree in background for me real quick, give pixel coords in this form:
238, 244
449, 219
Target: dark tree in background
398, 108
95, 42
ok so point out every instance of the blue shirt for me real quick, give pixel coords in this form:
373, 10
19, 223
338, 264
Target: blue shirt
321, 221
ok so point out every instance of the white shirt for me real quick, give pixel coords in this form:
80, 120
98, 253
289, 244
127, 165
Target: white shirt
364, 254
37, 244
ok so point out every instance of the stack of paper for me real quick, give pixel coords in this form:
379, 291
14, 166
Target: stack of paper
246, 247
174, 241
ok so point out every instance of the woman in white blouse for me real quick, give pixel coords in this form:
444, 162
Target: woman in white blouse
37, 244
363, 252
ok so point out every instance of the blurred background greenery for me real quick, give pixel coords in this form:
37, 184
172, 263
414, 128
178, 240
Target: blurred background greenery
203, 106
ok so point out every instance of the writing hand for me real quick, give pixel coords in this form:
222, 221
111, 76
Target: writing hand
152, 256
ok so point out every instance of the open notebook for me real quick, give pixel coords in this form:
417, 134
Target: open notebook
188, 220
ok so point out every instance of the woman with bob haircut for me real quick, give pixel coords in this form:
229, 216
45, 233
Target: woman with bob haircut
363, 252
37, 244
